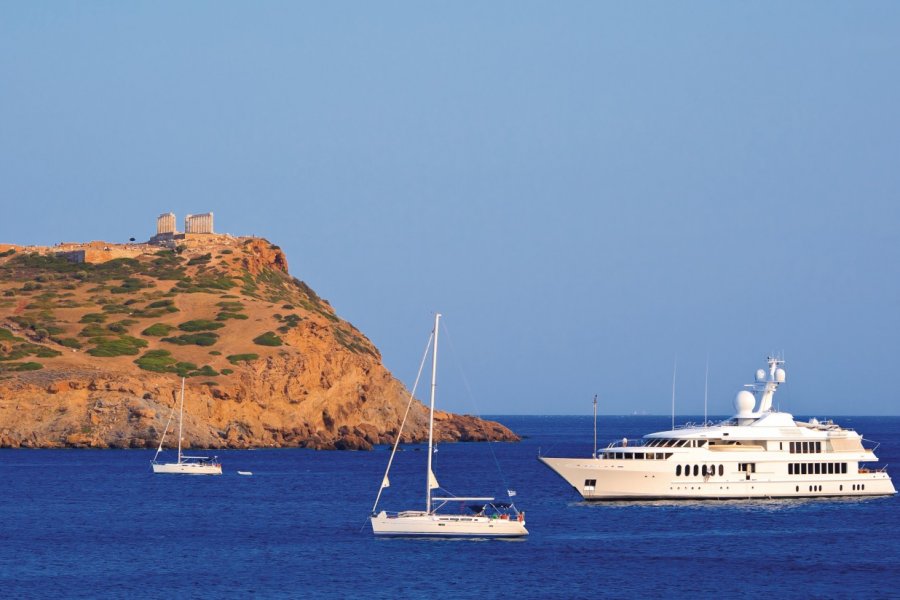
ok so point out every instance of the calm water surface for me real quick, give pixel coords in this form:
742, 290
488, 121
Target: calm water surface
82, 523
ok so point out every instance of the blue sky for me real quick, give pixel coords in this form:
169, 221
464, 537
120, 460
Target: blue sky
586, 190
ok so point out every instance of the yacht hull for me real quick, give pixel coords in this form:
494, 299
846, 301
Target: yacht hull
596, 479
438, 525
187, 469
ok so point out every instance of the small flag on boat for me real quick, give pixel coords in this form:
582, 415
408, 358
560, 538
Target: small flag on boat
386, 482
511, 493
432, 481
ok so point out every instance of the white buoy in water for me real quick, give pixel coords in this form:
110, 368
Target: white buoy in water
245, 472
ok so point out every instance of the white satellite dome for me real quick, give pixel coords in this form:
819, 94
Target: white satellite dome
779, 375
760, 375
744, 403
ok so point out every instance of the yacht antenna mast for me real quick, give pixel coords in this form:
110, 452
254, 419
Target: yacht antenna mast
674, 371
706, 391
595, 425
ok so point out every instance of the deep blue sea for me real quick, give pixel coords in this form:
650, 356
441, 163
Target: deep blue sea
98, 524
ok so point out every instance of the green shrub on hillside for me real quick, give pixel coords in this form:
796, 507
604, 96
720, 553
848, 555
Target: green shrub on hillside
122, 346
200, 325
130, 285
116, 308
239, 358
162, 361
93, 330
205, 338
199, 260
18, 367
68, 342
93, 318
118, 327
224, 316
267, 339
158, 330
169, 305
205, 371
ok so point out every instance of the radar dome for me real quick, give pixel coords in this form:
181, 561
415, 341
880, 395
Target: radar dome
744, 403
760, 375
779, 375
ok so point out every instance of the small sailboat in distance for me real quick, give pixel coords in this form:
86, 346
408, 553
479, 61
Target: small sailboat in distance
186, 465
486, 517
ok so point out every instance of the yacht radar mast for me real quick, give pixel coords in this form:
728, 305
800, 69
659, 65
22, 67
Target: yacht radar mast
766, 383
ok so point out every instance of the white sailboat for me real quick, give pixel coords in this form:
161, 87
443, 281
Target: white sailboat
486, 517
186, 465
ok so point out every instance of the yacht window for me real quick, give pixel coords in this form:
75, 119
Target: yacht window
678, 470
817, 469
682, 443
790, 468
791, 447
844, 468
818, 446
589, 484
687, 470
704, 471
803, 468
696, 470
805, 447
638, 455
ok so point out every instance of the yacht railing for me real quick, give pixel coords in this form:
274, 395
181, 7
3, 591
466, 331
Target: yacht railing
873, 448
703, 424
636, 443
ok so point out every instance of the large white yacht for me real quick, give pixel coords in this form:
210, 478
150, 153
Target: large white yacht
758, 453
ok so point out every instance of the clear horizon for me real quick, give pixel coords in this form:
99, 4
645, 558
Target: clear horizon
589, 192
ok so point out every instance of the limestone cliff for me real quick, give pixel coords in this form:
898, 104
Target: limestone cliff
94, 339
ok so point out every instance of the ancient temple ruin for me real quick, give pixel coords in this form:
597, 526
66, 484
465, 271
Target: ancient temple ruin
199, 223
167, 234
165, 223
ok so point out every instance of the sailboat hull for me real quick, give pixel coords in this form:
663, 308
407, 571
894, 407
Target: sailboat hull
187, 468
421, 524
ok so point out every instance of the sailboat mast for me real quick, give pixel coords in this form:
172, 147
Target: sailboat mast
428, 475
180, 420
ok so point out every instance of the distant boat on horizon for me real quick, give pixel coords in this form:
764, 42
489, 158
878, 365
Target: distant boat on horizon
186, 465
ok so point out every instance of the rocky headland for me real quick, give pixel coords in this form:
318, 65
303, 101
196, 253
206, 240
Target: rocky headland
94, 340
